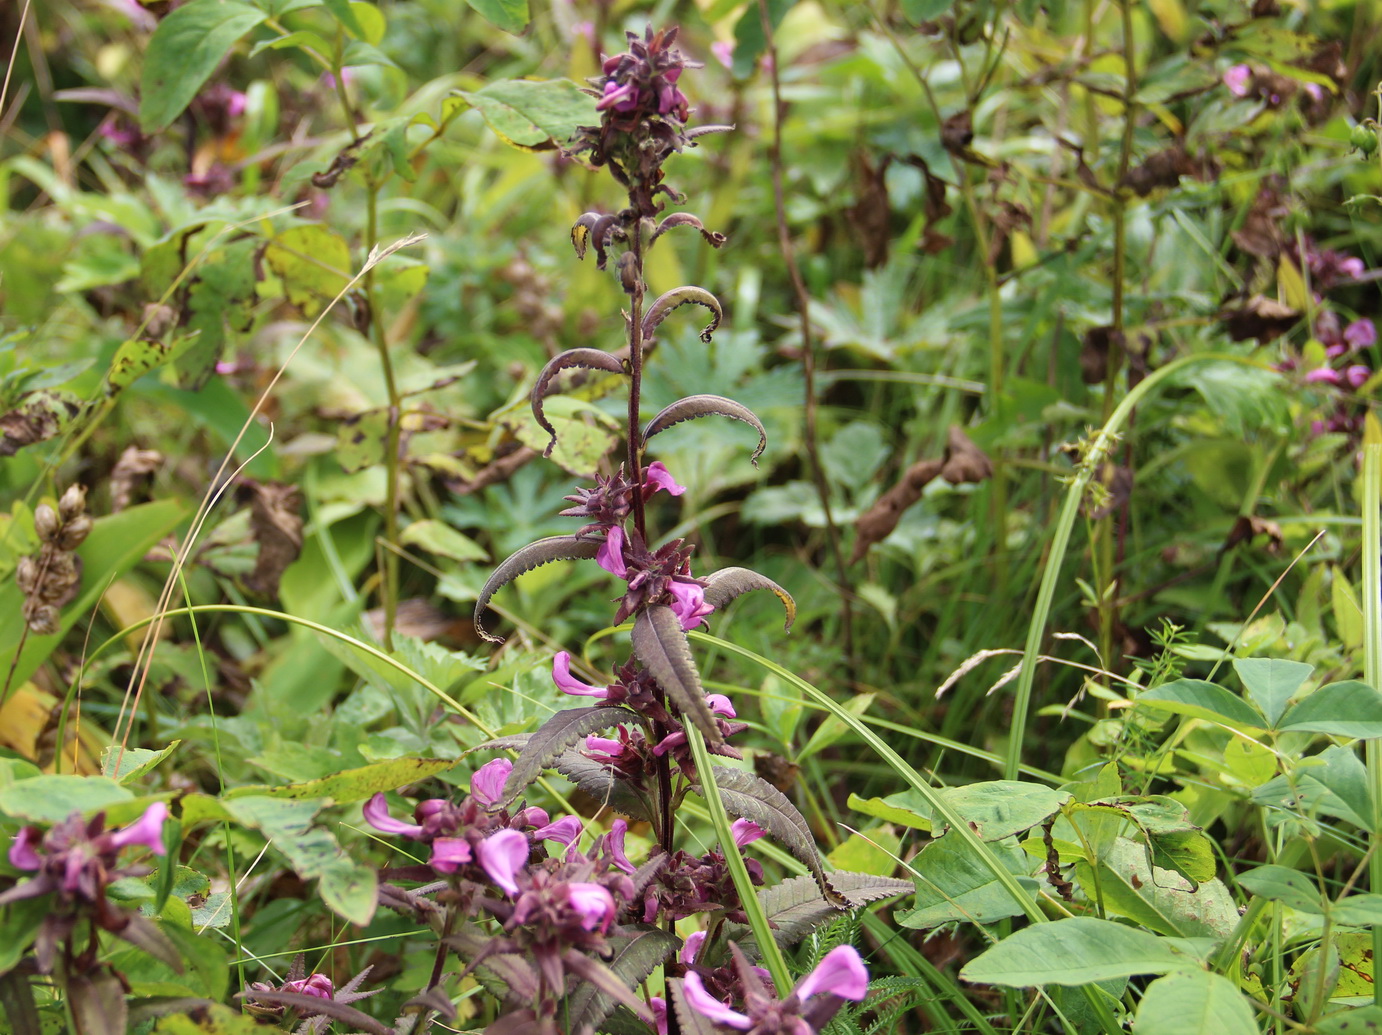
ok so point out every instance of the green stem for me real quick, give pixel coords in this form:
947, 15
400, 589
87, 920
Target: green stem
1372, 661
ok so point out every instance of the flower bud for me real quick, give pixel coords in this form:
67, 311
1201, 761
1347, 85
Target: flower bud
45, 522
73, 502
1363, 138
75, 531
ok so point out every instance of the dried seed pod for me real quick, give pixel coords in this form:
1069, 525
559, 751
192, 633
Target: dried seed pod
46, 522
75, 532
43, 619
26, 575
73, 502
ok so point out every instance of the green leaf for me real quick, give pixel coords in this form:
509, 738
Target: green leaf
749, 41
1346, 709
1270, 682
1074, 951
313, 263
360, 440
1363, 1020
1193, 1003
115, 545
954, 884
1358, 911
441, 539
832, 729
918, 11
1287, 886
53, 797
996, 809
509, 15
135, 762
1201, 700
532, 114
871, 851
1158, 899
183, 52
895, 808
354, 784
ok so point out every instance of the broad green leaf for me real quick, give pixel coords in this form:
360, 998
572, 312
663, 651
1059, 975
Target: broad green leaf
53, 797
214, 1019
1189, 853
832, 729
532, 114
1347, 709
136, 357
1075, 951
1201, 700
1287, 886
953, 884
1157, 898
135, 763
313, 263
509, 15
1270, 682
584, 433
996, 809
1194, 1003
925, 10
1358, 910
871, 851
361, 440
183, 52
354, 784
1363, 1020
441, 539
896, 808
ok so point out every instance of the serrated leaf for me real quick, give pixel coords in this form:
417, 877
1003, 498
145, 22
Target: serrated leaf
796, 906
725, 585
600, 782
689, 1021
587, 359
183, 52
1074, 951
695, 406
675, 299
1346, 709
750, 797
534, 555
635, 958
563, 730
660, 643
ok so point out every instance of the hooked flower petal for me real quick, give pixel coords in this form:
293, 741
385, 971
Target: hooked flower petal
711, 1008
22, 854
146, 831
487, 785
746, 831
594, 903
449, 854
610, 556
658, 477
501, 856
376, 812
564, 830
841, 972
569, 684
614, 841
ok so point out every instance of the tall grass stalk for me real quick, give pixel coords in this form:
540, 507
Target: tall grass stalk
1372, 663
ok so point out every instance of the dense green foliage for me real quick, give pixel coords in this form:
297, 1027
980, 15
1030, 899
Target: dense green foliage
1058, 319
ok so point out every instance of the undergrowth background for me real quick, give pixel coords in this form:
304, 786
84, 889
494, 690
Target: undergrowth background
330, 242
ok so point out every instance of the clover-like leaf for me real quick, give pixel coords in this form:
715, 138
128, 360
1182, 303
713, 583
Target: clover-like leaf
534, 555
724, 585
660, 643
754, 798
588, 359
674, 299
694, 406
713, 237
553, 737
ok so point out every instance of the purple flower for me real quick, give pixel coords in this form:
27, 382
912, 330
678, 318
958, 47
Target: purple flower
841, 972
1238, 79
746, 831
688, 603
690, 947
1357, 375
611, 554
620, 98
611, 749
594, 903
564, 830
720, 705
318, 985
22, 854
569, 684
1322, 375
487, 785
614, 842
1360, 334
376, 812
1352, 267
532, 816
146, 831
659, 1007
711, 1008
501, 856
451, 853
658, 477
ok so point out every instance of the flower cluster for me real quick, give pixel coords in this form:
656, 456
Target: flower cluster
839, 976
74, 863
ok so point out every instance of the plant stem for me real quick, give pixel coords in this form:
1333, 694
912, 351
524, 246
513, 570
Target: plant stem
1372, 661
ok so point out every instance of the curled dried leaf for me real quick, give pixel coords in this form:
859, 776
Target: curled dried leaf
674, 299
694, 406
598, 230
727, 583
588, 359
534, 555
712, 237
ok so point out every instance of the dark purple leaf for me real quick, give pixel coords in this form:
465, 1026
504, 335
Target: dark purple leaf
563, 730
727, 583
97, 1004
609, 984
712, 237
534, 555
599, 781
635, 958
660, 643
674, 299
311, 1004
589, 359
694, 406
691, 1021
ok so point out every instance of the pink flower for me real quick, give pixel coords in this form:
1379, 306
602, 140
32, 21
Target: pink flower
746, 831
611, 554
1357, 375
1360, 334
594, 903
711, 1008
724, 52
376, 814
611, 749
564, 831
451, 853
318, 985
659, 1007
658, 477
532, 816
569, 684
614, 841
501, 856
1322, 375
22, 854
841, 972
620, 98
688, 603
690, 947
1352, 267
719, 704
146, 831
1238, 79
487, 785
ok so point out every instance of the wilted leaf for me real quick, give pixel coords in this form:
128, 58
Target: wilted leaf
39, 416
589, 359
676, 298
723, 586
707, 406
544, 551
747, 796
134, 466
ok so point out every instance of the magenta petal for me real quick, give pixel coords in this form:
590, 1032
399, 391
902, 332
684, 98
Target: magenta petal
1237, 79
610, 556
146, 831
318, 985
746, 831
1360, 334
614, 841
688, 603
501, 856
1357, 375
667, 743
690, 947
658, 477
659, 1007
594, 903
1322, 375
487, 785
376, 814
564, 830
709, 1007
615, 95
720, 705
22, 854
532, 816
569, 684
840, 973
604, 745
450, 853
